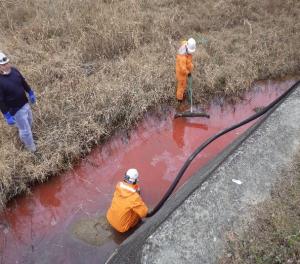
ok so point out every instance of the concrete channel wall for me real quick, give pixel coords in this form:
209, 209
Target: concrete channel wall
191, 226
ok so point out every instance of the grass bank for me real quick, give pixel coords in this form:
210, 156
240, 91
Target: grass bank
98, 66
274, 235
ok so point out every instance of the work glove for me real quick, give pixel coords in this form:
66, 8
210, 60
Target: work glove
10, 120
32, 97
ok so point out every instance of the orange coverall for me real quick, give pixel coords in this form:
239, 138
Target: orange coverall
184, 66
127, 207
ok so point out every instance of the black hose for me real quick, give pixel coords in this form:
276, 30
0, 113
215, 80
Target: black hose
211, 139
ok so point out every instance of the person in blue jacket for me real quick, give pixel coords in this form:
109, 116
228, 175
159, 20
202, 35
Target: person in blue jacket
14, 102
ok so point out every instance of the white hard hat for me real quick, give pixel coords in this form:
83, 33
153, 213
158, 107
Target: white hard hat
3, 58
191, 45
131, 176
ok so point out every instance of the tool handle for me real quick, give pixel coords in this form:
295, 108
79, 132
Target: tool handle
190, 89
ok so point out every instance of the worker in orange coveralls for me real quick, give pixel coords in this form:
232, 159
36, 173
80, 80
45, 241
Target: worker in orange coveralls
127, 207
184, 66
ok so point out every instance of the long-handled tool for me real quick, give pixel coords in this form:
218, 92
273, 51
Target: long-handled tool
191, 113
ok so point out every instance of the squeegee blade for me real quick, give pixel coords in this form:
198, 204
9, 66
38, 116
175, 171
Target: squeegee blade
191, 114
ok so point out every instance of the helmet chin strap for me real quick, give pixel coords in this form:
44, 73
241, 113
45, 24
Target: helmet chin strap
126, 179
187, 51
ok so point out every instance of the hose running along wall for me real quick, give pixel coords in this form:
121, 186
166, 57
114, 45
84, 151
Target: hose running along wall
213, 138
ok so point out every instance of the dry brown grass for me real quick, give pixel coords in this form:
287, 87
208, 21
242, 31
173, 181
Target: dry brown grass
97, 66
274, 236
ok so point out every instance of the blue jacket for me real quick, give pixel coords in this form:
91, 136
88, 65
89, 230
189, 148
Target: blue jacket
12, 92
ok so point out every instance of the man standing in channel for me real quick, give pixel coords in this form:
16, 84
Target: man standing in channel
14, 102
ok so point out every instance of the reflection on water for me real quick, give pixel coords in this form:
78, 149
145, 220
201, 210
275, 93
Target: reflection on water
179, 125
44, 225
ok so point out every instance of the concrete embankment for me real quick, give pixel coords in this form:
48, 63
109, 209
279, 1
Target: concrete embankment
193, 224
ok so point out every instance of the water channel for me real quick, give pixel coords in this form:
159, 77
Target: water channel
39, 228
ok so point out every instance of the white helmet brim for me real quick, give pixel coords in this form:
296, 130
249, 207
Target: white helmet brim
3, 58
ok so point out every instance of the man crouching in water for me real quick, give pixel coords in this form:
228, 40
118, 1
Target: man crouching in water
127, 207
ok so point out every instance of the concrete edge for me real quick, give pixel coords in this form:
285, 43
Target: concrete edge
130, 250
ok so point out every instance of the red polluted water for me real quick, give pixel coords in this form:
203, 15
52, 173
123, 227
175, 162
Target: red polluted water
36, 228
